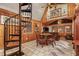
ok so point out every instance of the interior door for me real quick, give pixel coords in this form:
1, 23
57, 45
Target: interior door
76, 35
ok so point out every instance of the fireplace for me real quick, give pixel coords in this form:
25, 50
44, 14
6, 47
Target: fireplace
45, 29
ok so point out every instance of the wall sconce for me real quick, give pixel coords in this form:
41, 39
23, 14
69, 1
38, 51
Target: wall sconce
59, 21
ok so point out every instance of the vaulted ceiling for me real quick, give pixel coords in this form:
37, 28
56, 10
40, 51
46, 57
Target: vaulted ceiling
14, 7
37, 9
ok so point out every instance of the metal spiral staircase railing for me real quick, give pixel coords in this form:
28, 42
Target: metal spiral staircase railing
13, 27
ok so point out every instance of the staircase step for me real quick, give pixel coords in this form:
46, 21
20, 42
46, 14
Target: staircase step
14, 34
25, 21
12, 41
16, 53
11, 47
23, 4
26, 10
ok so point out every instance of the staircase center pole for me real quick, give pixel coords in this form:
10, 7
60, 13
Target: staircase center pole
20, 30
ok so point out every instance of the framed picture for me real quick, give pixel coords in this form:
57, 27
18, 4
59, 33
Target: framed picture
12, 21
3, 19
28, 27
68, 29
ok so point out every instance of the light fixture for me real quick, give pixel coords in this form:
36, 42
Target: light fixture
59, 21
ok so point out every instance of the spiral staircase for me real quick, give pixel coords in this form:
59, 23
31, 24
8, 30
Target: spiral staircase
13, 28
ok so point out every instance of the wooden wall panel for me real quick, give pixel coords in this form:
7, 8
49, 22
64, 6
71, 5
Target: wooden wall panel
1, 35
71, 9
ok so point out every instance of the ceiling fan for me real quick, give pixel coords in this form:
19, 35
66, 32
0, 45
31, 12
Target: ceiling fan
50, 5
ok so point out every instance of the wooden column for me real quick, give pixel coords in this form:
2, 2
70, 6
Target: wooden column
44, 17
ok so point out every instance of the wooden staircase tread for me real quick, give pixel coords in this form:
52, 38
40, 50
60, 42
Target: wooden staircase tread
25, 21
23, 4
11, 47
11, 40
16, 53
14, 34
26, 10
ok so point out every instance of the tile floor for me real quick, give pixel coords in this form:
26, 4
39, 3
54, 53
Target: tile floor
62, 48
